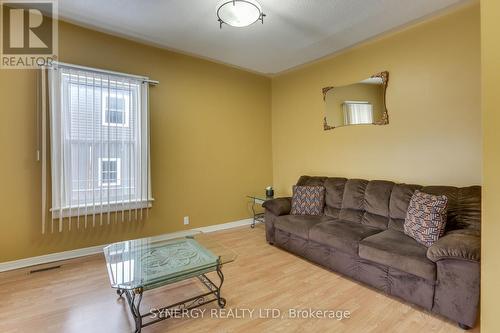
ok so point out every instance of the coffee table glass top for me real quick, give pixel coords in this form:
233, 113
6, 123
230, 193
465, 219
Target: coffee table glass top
146, 263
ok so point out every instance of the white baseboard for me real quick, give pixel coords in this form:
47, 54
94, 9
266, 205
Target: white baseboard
223, 226
48, 258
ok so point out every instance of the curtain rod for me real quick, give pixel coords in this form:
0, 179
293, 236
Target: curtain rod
104, 71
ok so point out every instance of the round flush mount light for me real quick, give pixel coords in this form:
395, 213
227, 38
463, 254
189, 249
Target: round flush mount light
239, 13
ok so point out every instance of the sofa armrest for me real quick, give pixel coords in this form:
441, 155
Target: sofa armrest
279, 206
456, 245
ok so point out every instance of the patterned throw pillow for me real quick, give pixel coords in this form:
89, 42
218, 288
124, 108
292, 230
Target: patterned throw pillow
308, 200
426, 217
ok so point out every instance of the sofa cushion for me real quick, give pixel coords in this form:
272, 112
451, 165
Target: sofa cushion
354, 194
377, 197
311, 181
342, 235
308, 200
353, 200
376, 203
334, 192
366, 202
398, 205
464, 205
426, 217
395, 249
297, 224
469, 209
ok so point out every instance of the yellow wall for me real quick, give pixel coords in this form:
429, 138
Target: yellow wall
490, 267
433, 99
210, 143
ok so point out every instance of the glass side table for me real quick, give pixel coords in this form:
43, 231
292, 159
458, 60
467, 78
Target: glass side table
258, 200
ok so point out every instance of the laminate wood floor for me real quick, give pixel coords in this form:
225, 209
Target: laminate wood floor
77, 298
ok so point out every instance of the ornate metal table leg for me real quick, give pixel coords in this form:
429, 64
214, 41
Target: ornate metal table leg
253, 211
134, 298
138, 317
135, 306
220, 300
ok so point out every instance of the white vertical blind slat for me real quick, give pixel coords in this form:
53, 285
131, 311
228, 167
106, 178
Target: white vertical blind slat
51, 95
69, 152
77, 148
129, 137
107, 148
136, 159
92, 152
116, 152
87, 159
43, 92
63, 170
139, 138
148, 138
122, 149
101, 148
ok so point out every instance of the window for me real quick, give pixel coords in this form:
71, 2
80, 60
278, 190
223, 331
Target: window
357, 112
100, 142
110, 171
115, 107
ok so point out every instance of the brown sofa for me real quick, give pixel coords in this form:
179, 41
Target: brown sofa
360, 235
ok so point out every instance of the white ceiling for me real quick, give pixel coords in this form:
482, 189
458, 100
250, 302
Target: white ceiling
294, 31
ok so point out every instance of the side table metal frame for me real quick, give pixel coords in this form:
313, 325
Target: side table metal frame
257, 217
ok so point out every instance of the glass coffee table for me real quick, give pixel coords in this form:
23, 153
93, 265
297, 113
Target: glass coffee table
139, 265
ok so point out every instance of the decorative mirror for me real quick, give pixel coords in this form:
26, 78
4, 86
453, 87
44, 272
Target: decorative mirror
361, 103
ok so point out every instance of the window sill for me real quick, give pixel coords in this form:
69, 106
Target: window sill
105, 208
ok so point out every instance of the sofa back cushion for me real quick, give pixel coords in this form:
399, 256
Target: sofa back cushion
376, 203
367, 202
398, 205
384, 204
311, 181
353, 201
464, 206
468, 210
334, 193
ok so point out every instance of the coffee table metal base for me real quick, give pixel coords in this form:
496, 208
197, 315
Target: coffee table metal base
134, 298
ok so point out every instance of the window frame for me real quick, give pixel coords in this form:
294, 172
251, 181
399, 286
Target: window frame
136, 95
105, 95
118, 161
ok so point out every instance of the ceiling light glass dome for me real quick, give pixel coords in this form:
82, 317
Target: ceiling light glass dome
239, 13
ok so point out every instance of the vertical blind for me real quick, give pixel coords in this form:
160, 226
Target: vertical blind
99, 139
357, 112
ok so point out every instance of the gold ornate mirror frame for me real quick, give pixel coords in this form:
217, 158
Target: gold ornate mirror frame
384, 76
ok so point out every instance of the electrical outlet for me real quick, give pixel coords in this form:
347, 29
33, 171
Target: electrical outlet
186, 220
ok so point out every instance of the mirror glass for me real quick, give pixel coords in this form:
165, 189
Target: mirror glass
360, 103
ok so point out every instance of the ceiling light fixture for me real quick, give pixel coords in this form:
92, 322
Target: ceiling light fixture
239, 13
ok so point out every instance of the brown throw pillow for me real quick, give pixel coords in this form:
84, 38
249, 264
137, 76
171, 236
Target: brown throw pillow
426, 217
308, 200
